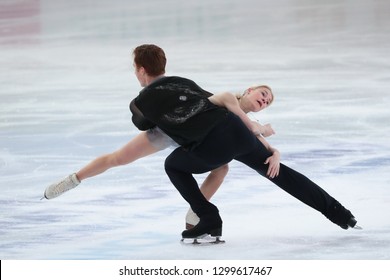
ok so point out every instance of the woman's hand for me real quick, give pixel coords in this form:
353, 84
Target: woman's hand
267, 130
264, 130
273, 164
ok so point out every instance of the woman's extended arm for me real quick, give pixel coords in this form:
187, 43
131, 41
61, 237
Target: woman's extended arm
230, 102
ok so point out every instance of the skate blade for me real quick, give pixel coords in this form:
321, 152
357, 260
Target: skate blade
357, 227
203, 240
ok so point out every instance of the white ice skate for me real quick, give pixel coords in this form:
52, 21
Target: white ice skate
62, 186
191, 219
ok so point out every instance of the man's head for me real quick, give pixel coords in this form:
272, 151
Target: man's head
149, 63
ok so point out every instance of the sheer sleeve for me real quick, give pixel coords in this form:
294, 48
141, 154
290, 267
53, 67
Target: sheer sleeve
138, 118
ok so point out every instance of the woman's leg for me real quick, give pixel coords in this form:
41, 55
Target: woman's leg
213, 181
137, 148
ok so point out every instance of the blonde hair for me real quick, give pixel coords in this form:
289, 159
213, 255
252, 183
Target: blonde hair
256, 87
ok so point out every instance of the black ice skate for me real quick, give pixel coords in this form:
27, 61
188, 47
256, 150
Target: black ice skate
342, 217
210, 224
352, 223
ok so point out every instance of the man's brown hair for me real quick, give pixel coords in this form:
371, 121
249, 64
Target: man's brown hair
151, 58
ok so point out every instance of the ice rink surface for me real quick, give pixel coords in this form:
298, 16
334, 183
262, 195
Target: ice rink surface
67, 79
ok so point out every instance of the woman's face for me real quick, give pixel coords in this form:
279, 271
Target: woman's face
258, 98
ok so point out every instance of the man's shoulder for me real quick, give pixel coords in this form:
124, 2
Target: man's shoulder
172, 80
169, 83
162, 81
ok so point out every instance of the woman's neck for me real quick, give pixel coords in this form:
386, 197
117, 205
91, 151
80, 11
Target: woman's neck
242, 104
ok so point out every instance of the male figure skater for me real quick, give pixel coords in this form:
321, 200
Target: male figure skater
210, 136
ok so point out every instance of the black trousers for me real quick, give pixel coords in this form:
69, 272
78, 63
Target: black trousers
232, 140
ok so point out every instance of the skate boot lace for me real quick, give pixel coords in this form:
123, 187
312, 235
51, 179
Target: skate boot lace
64, 185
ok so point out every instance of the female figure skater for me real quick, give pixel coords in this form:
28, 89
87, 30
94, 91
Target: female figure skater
154, 140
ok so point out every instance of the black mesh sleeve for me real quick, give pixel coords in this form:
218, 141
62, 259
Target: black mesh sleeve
138, 118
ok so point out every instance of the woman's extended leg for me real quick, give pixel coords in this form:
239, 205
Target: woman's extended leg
138, 147
135, 149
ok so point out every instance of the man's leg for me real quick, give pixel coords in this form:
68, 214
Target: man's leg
301, 188
179, 166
